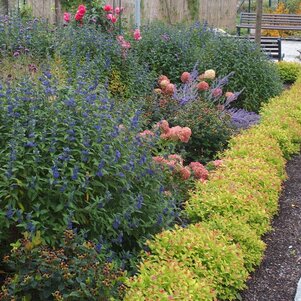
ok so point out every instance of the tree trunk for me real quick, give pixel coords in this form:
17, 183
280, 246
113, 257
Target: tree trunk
57, 7
258, 21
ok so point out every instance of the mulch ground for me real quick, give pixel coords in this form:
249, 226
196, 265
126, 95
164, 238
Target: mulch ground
277, 277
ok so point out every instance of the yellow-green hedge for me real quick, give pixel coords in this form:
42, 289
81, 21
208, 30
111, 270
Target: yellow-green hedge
212, 258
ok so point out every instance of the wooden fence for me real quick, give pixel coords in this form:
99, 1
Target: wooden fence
217, 13
6, 6
43, 8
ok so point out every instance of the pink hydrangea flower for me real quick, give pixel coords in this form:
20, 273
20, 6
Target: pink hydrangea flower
203, 86
176, 133
78, 17
199, 170
120, 38
137, 35
164, 126
170, 89
173, 133
163, 77
195, 165
217, 92
81, 11
171, 164
185, 173
112, 18
184, 134
126, 45
163, 83
177, 158
185, 77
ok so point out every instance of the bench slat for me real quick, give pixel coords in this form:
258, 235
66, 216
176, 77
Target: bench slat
270, 45
275, 27
280, 15
271, 21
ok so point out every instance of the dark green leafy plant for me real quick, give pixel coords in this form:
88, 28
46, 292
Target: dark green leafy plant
172, 50
75, 270
71, 4
167, 50
211, 131
253, 70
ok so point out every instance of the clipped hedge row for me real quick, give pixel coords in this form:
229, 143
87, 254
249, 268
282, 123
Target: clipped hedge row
213, 257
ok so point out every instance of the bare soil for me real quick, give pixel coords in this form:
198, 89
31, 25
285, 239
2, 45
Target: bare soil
277, 277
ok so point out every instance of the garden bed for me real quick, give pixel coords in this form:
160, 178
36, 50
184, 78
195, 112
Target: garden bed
110, 141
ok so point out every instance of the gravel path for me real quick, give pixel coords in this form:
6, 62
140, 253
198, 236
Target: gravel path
277, 277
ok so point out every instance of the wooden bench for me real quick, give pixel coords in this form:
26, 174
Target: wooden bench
270, 45
270, 21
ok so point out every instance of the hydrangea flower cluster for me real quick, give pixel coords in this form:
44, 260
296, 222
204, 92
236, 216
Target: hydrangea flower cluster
193, 85
207, 86
176, 133
195, 170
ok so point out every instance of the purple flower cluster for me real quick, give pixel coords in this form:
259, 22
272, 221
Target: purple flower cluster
243, 119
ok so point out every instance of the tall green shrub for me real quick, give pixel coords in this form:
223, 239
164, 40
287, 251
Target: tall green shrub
253, 70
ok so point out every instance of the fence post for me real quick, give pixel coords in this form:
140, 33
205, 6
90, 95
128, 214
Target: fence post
137, 14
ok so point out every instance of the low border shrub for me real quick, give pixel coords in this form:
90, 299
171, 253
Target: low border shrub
234, 208
288, 71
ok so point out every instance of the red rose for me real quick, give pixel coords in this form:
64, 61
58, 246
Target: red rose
80, 12
78, 16
81, 9
108, 8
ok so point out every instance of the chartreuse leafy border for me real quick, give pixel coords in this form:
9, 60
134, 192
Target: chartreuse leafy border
212, 258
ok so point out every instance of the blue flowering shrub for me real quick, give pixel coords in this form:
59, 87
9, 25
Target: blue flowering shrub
33, 37
72, 158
